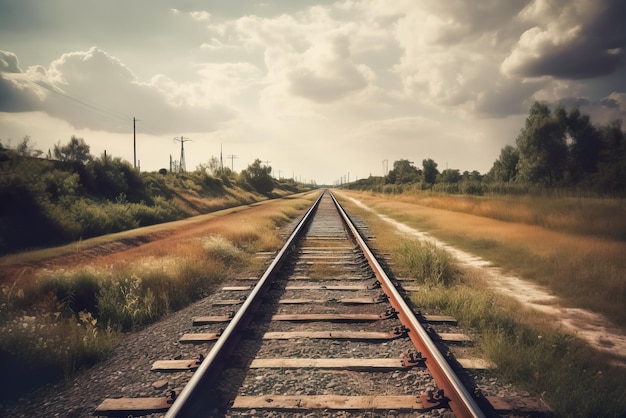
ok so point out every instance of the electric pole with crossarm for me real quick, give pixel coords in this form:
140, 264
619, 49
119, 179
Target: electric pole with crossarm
232, 162
181, 163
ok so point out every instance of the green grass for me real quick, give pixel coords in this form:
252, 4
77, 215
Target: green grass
426, 263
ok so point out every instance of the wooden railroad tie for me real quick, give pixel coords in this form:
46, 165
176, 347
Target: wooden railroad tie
206, 337
211, 319
115, 407
353, 364
302, 301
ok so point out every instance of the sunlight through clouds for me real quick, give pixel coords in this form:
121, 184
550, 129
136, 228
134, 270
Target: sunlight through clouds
289, 82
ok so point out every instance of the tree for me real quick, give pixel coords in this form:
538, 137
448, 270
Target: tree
76, 150
449, 175
214, 166
25, 149
584, 144
430, 171
505, 167
403, 172
258, 177
541, 145
611, 174
476, 176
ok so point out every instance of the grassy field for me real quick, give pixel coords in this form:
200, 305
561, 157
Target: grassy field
584, 269
598, 217
527, 348
67, 312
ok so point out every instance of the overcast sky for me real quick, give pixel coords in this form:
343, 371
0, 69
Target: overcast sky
317, 89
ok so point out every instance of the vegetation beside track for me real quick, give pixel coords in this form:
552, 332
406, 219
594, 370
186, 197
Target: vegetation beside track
54, 322
585, 269
525, 346
49, 202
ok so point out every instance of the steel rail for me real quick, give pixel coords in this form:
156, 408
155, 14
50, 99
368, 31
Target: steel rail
460, 400
213, 364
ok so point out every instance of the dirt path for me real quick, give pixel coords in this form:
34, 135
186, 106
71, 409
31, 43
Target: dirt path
589, 326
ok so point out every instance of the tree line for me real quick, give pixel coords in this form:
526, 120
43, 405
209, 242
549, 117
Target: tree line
556, 148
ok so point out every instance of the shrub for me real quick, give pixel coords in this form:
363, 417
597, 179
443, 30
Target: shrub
76, 291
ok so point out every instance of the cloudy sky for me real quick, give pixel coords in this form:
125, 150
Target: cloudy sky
321, 90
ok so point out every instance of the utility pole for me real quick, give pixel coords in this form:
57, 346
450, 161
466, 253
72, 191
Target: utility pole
221, 160
181, 165
385, 167
232, 161
267, 163
134, 144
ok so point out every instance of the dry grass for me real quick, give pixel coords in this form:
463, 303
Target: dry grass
324, 271
527, 349
599, 217
106, 285
585, 271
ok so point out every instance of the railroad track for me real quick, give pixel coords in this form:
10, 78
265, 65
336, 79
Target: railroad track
324, 331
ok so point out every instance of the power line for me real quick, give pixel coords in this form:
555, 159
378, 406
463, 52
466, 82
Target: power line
89, 105
83, 102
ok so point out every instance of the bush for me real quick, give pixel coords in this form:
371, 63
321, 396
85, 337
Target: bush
76, 291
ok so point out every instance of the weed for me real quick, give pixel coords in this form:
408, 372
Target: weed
76, 290
8, 297
219, 248
426, 263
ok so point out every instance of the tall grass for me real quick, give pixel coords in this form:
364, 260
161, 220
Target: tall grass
64, 319
529, 351
426, 263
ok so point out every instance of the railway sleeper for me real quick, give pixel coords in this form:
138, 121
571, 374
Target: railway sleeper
115, 407
207, 337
